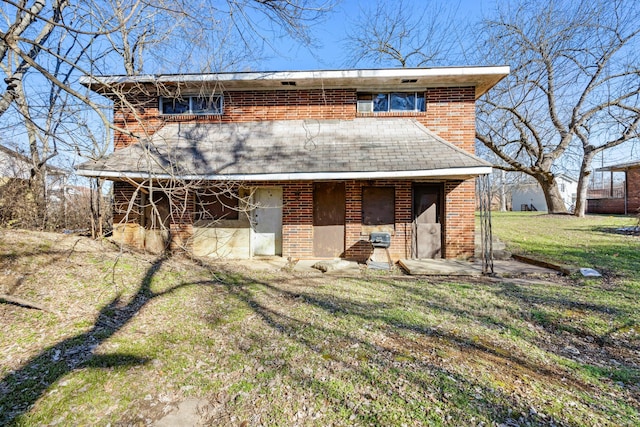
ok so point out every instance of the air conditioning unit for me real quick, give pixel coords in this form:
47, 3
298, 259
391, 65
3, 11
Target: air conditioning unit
365, 106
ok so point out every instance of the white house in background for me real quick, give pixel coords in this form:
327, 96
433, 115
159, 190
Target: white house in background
15, 165
528, 195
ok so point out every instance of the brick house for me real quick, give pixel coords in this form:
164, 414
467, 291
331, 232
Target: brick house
302, 164
612, 196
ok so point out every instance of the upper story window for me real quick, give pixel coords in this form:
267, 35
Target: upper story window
211, 104
391, 102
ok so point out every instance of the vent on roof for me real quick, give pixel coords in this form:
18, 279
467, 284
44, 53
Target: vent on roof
288, 83
409, 80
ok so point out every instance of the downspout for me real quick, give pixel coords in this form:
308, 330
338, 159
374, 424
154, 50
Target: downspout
626, 192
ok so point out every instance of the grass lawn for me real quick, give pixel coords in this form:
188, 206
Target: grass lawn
129, 336
582, 242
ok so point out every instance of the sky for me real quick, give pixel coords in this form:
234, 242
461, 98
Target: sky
332, 53
332, 33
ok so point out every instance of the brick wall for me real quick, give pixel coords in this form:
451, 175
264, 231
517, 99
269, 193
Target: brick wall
605, 206
128, 223
245, 106
459, 225
459, 219
450, 113
617, 206
357, 240
297, 219
633, 191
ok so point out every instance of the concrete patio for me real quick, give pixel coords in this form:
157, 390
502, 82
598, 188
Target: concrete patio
413, 267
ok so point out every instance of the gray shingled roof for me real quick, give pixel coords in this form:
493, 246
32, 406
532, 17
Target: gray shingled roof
365, 146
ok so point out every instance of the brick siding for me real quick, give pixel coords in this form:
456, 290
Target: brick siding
297, 219
450, 113
617, 205
633, 190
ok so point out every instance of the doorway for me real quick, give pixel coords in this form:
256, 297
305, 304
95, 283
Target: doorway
427, 221
328, 219
267, 221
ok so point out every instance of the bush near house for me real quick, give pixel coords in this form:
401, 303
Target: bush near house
128, 337
67, 208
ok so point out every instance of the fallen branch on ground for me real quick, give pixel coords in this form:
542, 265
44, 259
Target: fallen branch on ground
24, 303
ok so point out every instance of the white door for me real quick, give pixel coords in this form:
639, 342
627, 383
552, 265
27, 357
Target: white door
267, 221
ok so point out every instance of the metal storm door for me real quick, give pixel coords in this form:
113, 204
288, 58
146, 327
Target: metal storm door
328, 219
427, 227
267, 221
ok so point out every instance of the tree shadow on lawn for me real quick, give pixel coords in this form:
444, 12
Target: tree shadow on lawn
27, 384
400, 357
538, 305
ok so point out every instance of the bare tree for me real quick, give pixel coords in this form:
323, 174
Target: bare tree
403, 33
52, 43
575, 83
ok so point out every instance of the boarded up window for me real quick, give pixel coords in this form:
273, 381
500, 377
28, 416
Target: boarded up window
216, 204
378, 206
157, 210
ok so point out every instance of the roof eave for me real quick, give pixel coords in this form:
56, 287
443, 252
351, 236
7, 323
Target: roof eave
448, 173
620, 167
482, 78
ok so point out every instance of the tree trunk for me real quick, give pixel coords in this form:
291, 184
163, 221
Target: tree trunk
503, 193
38, 187
555, 203
96, 208
583, 184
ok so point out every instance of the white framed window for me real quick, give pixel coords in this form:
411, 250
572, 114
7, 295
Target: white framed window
391, 102
199, 105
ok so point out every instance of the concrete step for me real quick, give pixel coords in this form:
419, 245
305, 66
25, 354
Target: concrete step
499, 248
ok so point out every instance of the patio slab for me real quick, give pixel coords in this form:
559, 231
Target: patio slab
342, 268
439, 267
449, 267
413, 267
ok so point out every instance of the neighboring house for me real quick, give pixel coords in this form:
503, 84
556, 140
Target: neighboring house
616, 196
17, 166
16, 197
528, 195
303, 164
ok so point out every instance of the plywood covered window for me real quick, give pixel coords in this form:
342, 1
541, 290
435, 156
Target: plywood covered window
216, 204
378, 209
157, 210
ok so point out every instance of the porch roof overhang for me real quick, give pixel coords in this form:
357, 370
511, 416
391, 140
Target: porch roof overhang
622, 167
288, 150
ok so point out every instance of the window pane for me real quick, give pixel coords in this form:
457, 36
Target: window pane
207, 105
403, 101
175, 106
381, 102
420, 104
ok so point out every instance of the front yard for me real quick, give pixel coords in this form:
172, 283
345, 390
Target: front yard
128, 337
